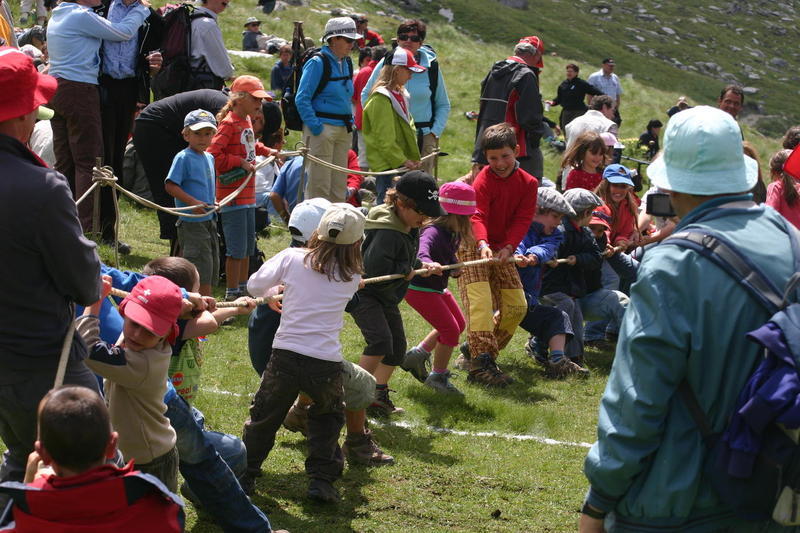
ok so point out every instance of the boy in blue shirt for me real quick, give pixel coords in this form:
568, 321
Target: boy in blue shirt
548, 326
191, 182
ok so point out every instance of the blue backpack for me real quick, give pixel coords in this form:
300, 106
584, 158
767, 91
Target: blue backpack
765, 483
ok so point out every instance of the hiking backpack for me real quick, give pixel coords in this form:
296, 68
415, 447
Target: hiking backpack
176, 72
299, 59
771, 488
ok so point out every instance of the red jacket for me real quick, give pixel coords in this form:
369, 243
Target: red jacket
233, 142
105, 498
359, 82
354, 181
623, 223
505, 207
373, 38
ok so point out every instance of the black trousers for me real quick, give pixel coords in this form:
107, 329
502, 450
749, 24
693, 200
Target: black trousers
287, 374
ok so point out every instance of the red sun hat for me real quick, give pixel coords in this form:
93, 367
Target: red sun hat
538, 44
251, 85
22, 87
403, 58
155, 303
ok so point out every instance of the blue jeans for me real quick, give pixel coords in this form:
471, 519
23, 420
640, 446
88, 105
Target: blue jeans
205, 457
606, 307
382, 184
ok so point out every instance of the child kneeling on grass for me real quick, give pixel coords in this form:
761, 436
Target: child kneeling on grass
548, 326
135, 372
318, 282
77, 490
438, 242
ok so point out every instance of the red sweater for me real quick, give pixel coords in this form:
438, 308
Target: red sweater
505, 207
359, 82
233, 142
580, 179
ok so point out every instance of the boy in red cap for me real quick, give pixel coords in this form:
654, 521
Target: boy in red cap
135, 372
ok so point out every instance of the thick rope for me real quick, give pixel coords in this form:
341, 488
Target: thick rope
65, 349
399, 170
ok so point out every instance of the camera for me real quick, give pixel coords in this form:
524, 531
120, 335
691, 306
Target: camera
658, 204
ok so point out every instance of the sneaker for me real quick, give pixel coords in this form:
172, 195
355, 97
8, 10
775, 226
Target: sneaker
248, 484
296, 419
441, 383
383, 406
417, 362
322, 491
565, 367
463, 361
531, 349
122, 247
360, 449
485, 371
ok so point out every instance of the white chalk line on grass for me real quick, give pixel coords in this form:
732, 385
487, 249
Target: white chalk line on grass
448, 431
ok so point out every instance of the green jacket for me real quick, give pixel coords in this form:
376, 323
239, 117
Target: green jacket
389, 133
687, 318
388, 248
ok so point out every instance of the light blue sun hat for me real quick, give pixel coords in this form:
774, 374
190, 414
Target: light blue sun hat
703, 155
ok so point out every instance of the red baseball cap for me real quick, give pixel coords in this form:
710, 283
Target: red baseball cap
22, 87
251, 85
154, 303
792, 164
538, 44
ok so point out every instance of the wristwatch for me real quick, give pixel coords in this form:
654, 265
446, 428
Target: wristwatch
592, 512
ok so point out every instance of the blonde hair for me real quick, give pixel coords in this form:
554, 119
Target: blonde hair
587, 141
234, 97
459, 225
604, 192
388, 78
340, 262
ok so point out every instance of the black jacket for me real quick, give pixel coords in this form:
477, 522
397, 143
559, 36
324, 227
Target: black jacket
48, 263
511, 87
571, 280
151, 35
572, 94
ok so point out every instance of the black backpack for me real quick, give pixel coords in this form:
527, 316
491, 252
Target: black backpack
290, 113
176, 72
772, 490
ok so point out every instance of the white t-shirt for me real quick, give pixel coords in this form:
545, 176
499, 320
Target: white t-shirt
313, 306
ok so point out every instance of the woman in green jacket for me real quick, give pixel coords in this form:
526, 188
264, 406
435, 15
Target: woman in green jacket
388, 128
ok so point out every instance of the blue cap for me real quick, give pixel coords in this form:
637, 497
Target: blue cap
199, 119
617, 173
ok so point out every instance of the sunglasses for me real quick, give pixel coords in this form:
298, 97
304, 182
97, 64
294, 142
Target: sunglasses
407, 37
348, 40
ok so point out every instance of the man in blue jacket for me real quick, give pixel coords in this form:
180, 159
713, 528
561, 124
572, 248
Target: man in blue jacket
326, 110
687, 319
430, 105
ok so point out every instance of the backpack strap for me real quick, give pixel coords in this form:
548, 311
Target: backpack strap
327, 73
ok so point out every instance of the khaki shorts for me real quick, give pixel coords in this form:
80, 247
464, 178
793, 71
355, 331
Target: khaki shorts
359, 387
200, 245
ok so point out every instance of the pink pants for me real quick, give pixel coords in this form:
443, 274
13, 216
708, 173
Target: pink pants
441, 311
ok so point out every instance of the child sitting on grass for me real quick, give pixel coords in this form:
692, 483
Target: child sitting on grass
549, 326
78, 487
135, 372
191, 182
438, 242
319, 281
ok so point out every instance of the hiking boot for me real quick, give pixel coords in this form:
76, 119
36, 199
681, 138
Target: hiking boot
122, 247
441, 383
417, 362
566, 367
360, 449
463, 361
248, 484
532, 350
383, 406
296, 419
322, 491
485, 371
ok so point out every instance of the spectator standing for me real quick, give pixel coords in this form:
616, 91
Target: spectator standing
28, 14
647, 438
327, 116
430, 105
54, 265
608, 83
571, 94
209, 59
599, 119
731, 100
510, 93
359, 82
252, 30
282, 71
74, 36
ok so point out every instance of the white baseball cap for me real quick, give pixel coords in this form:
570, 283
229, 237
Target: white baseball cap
404, 58
305, 218
342, 224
